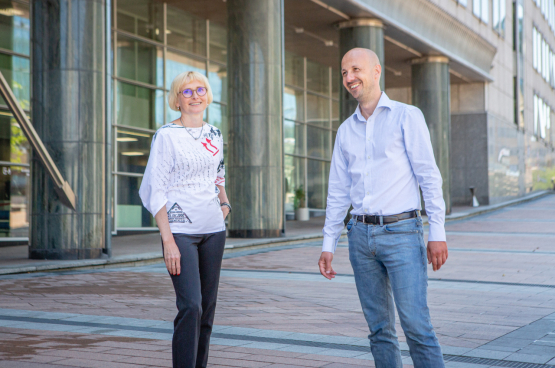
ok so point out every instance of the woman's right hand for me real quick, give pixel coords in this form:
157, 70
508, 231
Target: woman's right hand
172, 257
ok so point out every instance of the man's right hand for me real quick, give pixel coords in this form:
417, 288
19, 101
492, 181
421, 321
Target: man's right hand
172, 257
325, 265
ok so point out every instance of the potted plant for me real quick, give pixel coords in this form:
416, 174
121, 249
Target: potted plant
301, 211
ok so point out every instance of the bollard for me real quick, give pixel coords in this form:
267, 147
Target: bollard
475, 202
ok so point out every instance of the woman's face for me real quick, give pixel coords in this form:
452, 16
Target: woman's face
195, 104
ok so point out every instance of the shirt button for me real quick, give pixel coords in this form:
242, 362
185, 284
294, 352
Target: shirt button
366, 174
368, 193
368, 156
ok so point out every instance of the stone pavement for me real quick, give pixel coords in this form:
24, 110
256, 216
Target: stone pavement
140, 249
492, 305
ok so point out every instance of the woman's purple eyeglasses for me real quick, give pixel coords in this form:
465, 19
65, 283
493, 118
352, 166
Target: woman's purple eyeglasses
188, 93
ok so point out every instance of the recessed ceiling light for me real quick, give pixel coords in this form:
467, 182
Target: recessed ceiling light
127, 139
132, 153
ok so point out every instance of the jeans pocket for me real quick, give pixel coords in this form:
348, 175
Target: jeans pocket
350, 226
402, 227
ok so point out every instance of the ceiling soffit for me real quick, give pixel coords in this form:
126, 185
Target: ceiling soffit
428, 29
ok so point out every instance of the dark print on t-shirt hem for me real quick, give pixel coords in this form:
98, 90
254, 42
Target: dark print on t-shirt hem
176, 215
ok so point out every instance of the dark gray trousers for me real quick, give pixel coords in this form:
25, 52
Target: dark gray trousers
196, 291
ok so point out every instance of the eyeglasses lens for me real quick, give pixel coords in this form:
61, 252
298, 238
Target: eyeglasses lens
201, 91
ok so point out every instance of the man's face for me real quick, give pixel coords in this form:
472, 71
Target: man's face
360, 74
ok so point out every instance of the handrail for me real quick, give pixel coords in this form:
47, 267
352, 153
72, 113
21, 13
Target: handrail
62, 187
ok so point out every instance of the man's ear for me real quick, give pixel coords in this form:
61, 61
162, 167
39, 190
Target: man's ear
378, 70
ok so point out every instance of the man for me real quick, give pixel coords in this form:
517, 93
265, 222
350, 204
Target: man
382, 154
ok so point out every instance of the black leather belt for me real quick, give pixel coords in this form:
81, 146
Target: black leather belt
375, 220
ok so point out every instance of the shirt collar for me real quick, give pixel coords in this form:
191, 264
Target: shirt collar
383, 102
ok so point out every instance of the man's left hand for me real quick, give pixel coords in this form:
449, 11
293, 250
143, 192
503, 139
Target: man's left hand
437, 254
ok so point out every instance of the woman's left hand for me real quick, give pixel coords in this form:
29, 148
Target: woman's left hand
225, 211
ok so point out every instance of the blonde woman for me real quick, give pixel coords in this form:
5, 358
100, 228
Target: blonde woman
184, 188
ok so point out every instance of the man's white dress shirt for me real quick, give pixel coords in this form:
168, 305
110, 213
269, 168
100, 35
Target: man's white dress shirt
378, 165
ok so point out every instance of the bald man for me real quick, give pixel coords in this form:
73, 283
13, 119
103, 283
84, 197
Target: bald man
382, 156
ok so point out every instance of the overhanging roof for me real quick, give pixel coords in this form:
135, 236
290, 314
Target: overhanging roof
428, 29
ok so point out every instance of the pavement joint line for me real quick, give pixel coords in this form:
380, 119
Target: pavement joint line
430, 279
220, 338
497, 234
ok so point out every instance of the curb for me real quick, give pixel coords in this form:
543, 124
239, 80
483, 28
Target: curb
155, 257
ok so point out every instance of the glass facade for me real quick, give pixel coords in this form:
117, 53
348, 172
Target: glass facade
499, 13
154, 42
311, 119
480, 8
543, 58
542, 119
547, 8
14, 149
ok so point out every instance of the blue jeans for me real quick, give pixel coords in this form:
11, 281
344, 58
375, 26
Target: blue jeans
390, 262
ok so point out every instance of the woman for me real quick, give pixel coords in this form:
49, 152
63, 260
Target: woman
183, 187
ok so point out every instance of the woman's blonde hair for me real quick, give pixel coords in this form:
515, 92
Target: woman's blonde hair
181, 80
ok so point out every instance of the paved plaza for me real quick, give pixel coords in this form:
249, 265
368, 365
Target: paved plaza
492, 305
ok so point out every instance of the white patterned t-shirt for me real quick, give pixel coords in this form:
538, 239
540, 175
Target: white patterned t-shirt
182, 174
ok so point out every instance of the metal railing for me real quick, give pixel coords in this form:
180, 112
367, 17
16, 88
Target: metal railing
62, 187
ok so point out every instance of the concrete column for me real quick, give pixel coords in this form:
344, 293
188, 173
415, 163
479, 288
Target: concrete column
365, 33
431, 93
68, 112
255, 143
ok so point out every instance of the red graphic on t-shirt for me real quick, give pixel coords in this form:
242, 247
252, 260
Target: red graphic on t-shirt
209, 142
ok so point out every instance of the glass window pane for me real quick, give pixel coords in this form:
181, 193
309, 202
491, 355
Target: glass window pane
335, 123
141, 17
318, 142
218, 117
485, 11
477, 7
130, 212
14, 180
15, 27
186, 32
318, 110
294, 70
495, 14
317, 176
218, 43
336, 83
14, 191
293, 104
293, 138
177, 63
139, 107
317, 78
133, 149
502, 16
294, 179
139, 61
217, 76
16, 71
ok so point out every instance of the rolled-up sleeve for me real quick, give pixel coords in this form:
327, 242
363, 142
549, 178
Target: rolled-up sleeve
156, 179
421, 157
339, 198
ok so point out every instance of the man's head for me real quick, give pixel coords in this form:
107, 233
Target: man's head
361, 71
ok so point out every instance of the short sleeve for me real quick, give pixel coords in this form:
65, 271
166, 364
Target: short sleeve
156, 179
